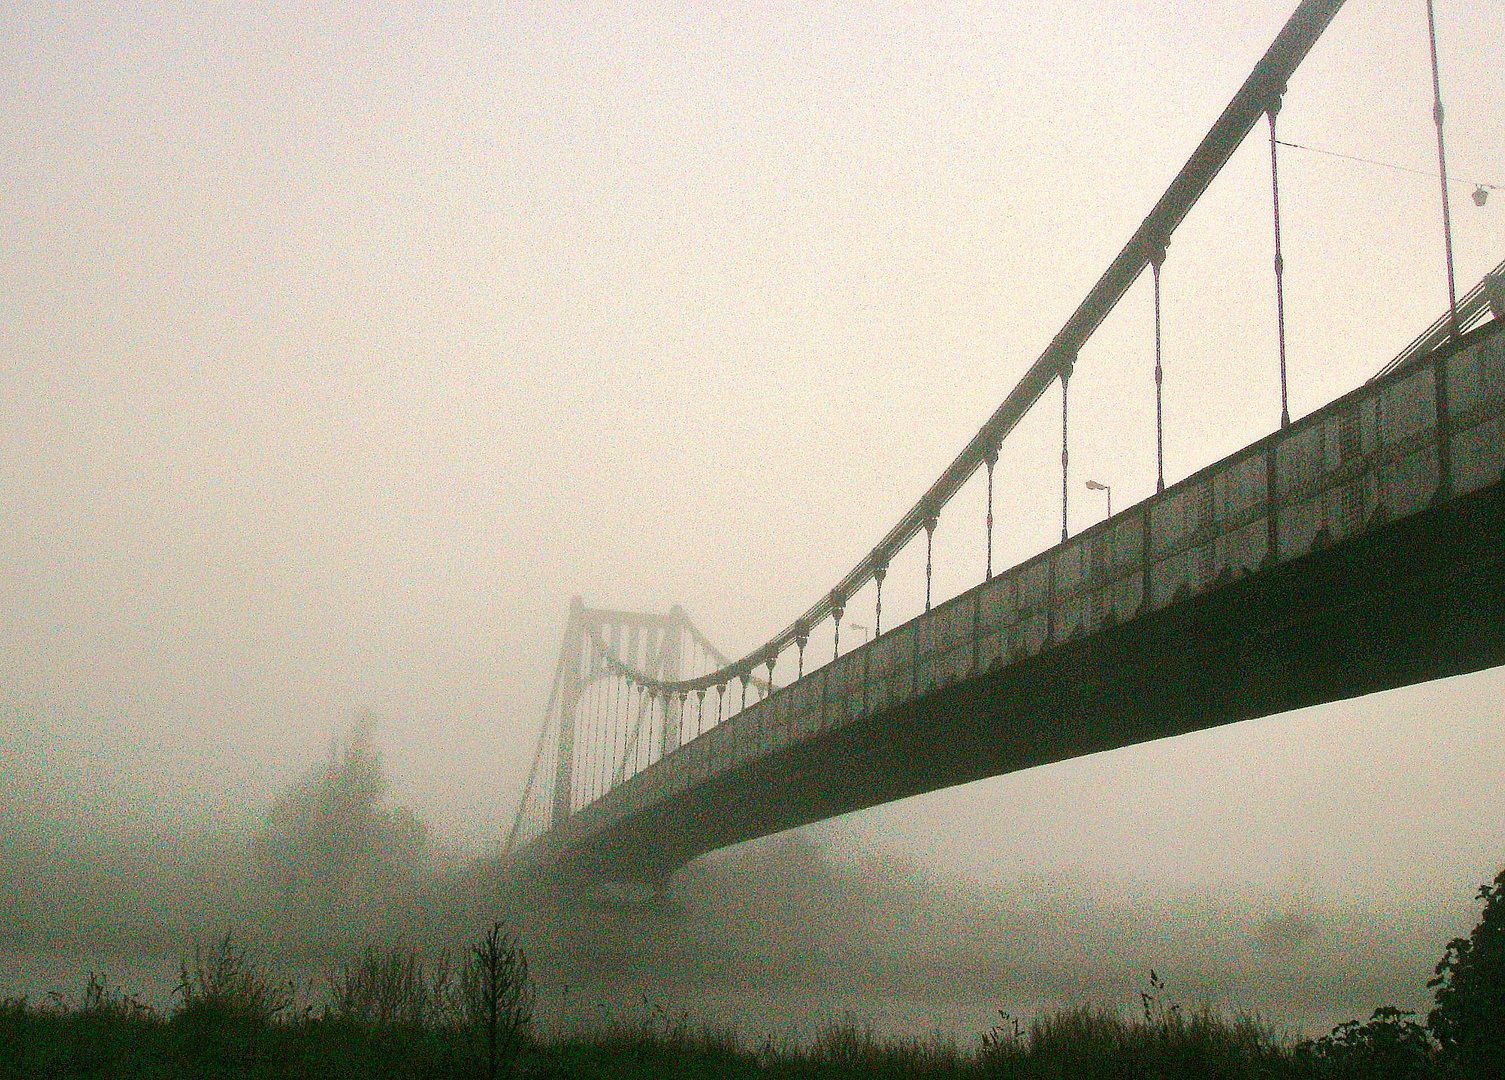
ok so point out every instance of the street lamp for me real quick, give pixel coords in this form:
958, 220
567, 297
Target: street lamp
866, 633
1093, 485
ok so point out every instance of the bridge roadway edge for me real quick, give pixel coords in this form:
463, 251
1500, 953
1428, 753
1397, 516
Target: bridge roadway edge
1416, 600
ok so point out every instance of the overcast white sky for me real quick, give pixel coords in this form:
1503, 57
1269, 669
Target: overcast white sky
341, 345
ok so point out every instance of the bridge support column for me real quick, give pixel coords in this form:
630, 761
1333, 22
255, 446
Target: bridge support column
569, 698
671, 657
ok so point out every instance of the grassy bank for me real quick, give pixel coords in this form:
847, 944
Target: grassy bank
394, 1014
115, 1042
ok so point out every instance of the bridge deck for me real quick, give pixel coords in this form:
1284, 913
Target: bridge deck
1361, 548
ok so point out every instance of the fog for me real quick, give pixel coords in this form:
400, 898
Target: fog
774, 938
340, 347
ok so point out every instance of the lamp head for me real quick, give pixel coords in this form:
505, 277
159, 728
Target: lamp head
1093, 485
1481, 195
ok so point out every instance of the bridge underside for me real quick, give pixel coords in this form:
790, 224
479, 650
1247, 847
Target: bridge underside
1420, 599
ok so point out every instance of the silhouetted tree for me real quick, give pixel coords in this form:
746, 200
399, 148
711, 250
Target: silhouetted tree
498, 995
1391, 1046
330, 829
1469, 1019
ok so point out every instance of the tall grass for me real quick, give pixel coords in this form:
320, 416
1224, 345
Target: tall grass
392, 1014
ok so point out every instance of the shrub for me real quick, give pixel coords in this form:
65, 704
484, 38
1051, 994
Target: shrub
497, 995
1469, 1017
1391, 1046
330, 834
394, 989
100, 1002
222, 986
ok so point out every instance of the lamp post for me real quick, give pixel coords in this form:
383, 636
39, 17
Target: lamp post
866, 633
1093, 485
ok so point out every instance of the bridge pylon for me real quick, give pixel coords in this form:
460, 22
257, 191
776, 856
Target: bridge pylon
601, 725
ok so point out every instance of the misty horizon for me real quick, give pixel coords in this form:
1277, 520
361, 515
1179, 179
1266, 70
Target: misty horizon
343, 348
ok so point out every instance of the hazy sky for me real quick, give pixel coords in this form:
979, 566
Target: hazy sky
341, 345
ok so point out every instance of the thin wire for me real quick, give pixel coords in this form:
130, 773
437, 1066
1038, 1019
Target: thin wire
620, 719
642, 731
609, 748
583, 730
991, 460
929, 547
1065, 397
1390, 165
1442, 164
592, 758
1280, 294
587, 708
1159, 380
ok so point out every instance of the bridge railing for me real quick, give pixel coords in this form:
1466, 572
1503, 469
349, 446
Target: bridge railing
1371, 457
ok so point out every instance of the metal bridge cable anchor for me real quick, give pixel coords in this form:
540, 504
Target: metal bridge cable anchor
930, 523
1442, 167
1157, 257
1280, 294
1065, 398
990, 459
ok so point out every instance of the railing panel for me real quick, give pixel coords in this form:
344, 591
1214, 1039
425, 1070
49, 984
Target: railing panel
1072, 617
1182, 575
1033, 596
1181, 519
805, 718
844, 690
1407, 408
1026, 637
1298, 525
893, 652
719, 750
1476, 399
991, 651
1120, 601
1300, 464
747, 732
891, 669
1241, 551
997, 607
998, 602
769, 713
1239, 492
944, 636
1072, 563
1476, 380
1478, 456
1123, 551
1408, 484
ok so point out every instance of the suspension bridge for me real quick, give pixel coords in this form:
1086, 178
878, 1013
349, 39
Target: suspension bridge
1356, 549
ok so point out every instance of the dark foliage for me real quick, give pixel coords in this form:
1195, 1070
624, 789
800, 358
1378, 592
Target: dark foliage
393, 1015
1469, 1018
330, 835
1391, 1046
